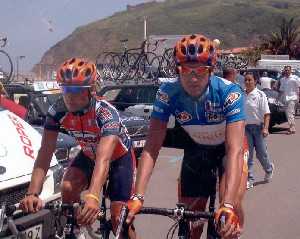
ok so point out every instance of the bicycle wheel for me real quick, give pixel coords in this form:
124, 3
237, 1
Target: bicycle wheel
6, 68
109, 67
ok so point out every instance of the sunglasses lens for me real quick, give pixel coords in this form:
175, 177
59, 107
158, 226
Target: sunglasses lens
198, 70
72, 89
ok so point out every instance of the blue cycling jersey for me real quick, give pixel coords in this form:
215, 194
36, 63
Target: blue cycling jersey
203, 118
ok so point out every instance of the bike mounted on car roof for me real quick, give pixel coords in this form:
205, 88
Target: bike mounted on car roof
6, 65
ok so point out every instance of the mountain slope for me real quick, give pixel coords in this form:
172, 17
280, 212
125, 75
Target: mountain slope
234, 22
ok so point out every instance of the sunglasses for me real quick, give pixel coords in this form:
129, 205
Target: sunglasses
200, 70
73, 89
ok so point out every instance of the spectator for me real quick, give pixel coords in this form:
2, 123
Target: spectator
257, 124
265, 81
230, 74
2, 90
289, 88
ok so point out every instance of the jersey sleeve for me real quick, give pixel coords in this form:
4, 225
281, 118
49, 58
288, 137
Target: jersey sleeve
161, 106
108, 119
234, 104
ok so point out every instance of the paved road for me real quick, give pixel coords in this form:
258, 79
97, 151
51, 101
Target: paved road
272, 210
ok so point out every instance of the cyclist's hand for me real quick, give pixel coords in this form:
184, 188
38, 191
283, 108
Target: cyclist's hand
135, 204
227, 222
31, 203
90, 211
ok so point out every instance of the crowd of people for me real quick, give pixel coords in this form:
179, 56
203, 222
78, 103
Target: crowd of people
223, 123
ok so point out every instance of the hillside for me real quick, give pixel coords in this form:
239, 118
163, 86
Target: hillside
234, 22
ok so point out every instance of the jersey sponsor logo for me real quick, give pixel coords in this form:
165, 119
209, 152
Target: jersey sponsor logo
206, 136
27, 144
112, 125
162, 97
183, 117
232, 98
234, 112
212, 107
158, 109
104, 114
213, 117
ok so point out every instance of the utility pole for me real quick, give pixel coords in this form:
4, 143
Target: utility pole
17, 59
145, 33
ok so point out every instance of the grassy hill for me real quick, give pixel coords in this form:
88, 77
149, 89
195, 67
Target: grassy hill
235, 22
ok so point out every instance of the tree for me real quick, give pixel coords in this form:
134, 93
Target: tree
282, 41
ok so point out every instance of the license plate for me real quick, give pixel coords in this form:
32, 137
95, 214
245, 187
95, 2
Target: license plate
139, 144
34, 232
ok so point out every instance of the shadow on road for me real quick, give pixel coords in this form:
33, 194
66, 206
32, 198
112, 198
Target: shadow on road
260, 182
278, 130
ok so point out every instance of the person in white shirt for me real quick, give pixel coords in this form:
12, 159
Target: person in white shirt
265, 81
257, 124
289, 88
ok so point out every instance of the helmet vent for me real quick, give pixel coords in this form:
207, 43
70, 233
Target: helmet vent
68, 74
80, 63
72, 61
75, 73
183, 50
62, 75
191, 49
200, 49
88, 72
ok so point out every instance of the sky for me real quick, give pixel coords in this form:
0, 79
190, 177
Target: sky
33, 26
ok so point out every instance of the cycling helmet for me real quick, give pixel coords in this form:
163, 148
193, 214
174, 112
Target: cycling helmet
196, 48
76, 72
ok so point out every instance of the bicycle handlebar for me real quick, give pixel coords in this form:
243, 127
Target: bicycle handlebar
177, 212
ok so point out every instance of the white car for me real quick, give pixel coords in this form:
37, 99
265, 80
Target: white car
19, 145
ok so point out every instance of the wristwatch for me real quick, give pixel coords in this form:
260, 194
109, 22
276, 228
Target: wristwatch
138, 196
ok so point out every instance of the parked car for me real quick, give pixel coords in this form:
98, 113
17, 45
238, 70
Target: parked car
277, 108
137, 101
19, 145
37, 99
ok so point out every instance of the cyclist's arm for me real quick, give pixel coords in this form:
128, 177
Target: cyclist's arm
234, 164
104, 154
43, 160
157, 133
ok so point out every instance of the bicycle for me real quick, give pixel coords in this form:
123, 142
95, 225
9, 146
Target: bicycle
6, 65
62, 223
180, 214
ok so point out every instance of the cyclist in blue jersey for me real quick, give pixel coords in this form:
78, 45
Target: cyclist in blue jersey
210, 111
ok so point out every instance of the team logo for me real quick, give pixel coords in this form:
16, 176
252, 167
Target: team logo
158, 109
183, 117
112, 125
231, 98
162, 97
213, 117
104, 114
233, 112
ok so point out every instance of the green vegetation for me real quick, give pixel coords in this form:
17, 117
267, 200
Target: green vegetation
235, 22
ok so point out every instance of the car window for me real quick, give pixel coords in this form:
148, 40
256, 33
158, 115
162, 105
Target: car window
111, 95
43, 102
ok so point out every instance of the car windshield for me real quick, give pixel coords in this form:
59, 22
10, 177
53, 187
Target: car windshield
132, 95
45, 101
